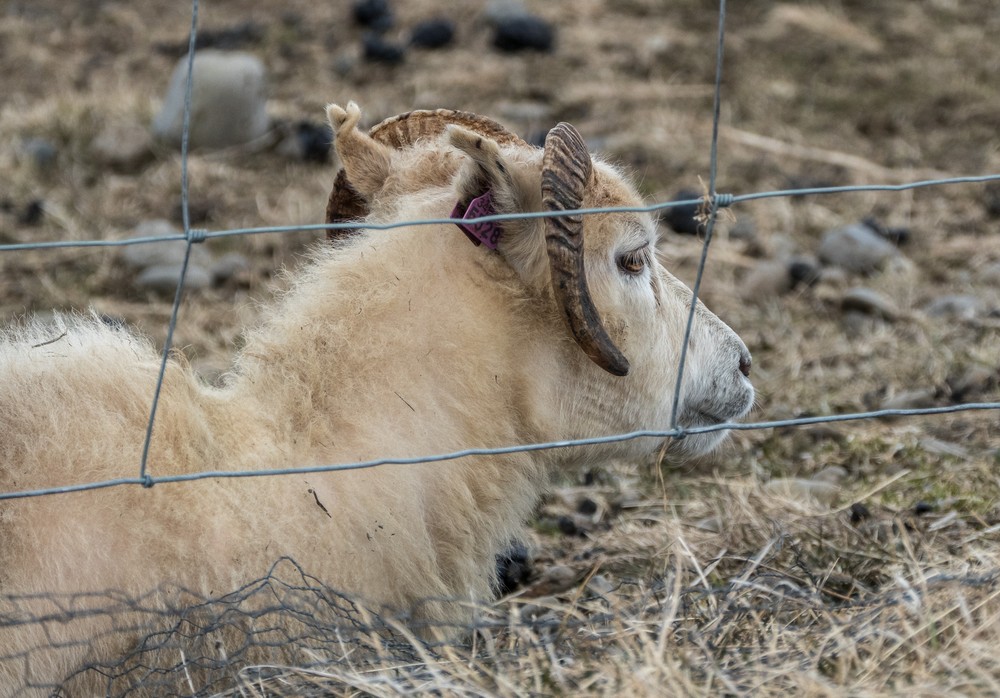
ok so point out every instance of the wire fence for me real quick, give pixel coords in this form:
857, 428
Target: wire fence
319, 614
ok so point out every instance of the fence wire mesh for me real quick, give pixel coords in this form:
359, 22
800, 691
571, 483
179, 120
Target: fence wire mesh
289, 634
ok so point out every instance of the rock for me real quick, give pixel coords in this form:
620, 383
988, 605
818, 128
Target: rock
990, 274
124, 147
974, 383
228, 101
910, 399
227, 266
868, 302
151, 254
992, 193
958, 306
922, 507
374, 14
587, 506
684, 219
801, 489
32, 213
768, 280
433, 33
554, 580
514, 568
163, 278
378, 50
40, 152
599, 585
308, 141
859, 512
803, 270
896, 235
524, 32
856, 248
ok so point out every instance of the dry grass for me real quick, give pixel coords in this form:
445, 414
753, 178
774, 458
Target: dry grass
701, 581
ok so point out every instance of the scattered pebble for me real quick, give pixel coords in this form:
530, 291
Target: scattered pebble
856, 248
683, 219
917, 398
227, 266
922, 507
40, 152
567, 526
587, 506
433, 33
378, 50
803, 270
800, 489
599, 585
124, 147
163, 278
308, 141
228, 101
514, 568
523, 32
868, 302
32, 213
374, 14
896, 235
859, 512
957, 306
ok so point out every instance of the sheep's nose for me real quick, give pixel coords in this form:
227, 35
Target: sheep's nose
745, 361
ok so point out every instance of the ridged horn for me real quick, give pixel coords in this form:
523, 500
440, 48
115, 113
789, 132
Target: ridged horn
346, 204
566, 171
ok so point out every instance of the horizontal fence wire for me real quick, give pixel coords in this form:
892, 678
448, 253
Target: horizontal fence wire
711, 203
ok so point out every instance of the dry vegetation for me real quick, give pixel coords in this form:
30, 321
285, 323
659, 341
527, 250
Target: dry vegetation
676, 578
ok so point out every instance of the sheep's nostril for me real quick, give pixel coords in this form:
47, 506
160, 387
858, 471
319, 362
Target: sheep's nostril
745, 362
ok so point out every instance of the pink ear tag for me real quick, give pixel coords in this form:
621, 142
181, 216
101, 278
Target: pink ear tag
487, 233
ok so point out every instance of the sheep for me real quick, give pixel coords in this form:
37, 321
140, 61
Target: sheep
396, 343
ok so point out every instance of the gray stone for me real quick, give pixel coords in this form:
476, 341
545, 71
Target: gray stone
162, 278
498, 11
911, 399
958, 306
40, 152
856, 248
228, 265
228, 101
868, 302
122, 146
150, 254
803, 490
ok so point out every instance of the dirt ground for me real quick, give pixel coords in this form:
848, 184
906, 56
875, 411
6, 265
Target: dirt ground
814, 94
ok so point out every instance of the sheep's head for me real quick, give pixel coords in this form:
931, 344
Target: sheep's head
624, 310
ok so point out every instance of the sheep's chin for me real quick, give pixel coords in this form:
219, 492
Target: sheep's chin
694, 445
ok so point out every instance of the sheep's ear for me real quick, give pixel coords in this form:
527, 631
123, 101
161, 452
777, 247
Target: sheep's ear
512, 188
365, 160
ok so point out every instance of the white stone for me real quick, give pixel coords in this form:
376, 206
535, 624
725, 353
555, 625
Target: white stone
228, 101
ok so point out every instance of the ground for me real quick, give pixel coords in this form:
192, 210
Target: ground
715, 582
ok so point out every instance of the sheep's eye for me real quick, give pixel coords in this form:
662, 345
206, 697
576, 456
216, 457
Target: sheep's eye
633, 262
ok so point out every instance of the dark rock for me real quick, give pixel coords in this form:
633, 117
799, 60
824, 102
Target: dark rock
859, 512
315, 140
378, 50
514, 568
587, 506
523, 32
567, 526
896, 235
433, 33
32, 213
683, 219
993, 199
803, 270
921, 508
374, 14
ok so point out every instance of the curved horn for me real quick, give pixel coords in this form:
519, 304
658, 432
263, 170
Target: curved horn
346, 204
566, 171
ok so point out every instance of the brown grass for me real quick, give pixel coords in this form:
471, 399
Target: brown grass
701, 581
